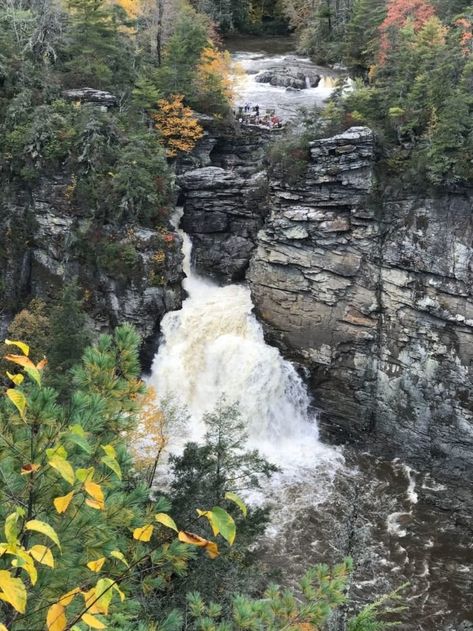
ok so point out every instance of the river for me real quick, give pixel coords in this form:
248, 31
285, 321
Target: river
397, 524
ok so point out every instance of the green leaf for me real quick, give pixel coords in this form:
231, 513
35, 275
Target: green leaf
43, 528
11, 527
109, 450
63, 467
18, 399
56, 451
85, 475
112, 464
223, 522
167, 521
80, 441
116, 554
17, 379
233, 497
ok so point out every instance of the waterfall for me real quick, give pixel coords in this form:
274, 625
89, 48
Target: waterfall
214, 348
308, 84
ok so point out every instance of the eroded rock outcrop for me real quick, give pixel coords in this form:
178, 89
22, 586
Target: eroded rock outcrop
374, 295
223, 192
129, 273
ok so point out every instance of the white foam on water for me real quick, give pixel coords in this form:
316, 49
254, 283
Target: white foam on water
213, 349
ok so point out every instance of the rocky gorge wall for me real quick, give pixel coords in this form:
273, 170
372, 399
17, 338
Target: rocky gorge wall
129, 273
369, 289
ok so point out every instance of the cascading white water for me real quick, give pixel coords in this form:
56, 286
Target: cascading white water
214, 349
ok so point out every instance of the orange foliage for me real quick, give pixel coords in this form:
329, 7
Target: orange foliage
132, 7
399, 14
177, 125
466, 37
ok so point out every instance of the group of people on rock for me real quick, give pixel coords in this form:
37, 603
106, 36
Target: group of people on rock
250, 115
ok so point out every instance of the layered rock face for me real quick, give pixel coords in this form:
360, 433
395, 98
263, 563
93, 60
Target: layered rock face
374, 295
223, 192
130, 274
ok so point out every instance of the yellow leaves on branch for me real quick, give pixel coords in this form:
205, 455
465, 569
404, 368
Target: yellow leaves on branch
195, 540
96, 566
144, 533
176, 123
61, 503
96, 493
150, 437
42, 554
12, 591
56, 618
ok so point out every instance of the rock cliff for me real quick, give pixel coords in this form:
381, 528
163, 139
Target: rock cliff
129, 273
373, 294
223, 191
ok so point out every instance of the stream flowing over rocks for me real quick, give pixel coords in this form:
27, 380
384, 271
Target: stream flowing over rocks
367, 288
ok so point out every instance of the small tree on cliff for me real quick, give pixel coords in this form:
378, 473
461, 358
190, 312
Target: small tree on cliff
177, 125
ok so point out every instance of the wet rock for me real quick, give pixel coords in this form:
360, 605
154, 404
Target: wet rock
292, 77
223, 195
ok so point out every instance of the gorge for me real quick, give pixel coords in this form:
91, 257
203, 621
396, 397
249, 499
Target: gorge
333, 307
347, 282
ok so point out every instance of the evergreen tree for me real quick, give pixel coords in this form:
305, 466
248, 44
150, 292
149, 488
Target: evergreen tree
95, 53
69, 330
207, 473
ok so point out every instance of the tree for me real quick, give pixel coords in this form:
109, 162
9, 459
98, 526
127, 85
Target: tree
79, 533
219, 468
183, 52
179, 129
96, 52
400, 13
214, 82
69, 330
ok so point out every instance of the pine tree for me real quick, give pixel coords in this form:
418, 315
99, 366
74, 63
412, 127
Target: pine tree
69, 330
95, 53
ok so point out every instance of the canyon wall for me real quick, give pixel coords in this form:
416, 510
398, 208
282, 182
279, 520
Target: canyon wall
129, 273
365, 285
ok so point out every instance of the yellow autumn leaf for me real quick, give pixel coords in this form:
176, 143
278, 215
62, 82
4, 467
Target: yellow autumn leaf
28, 366
13, 591
43, 528
69, 596
61, 503
92, 621
19, 401
25, 562
24, 348
212, 549
167, 521
94, 504
56, 618
96, 493
42, 554
97, 565
90, 601
3, 627
192, 539
104, 594
17, 379
63, 467
144, 533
